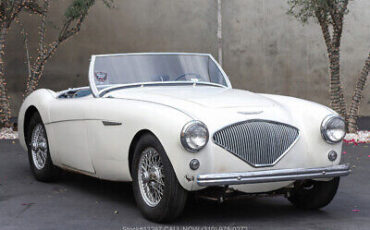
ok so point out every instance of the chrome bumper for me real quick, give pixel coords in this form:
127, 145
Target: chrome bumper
275, 175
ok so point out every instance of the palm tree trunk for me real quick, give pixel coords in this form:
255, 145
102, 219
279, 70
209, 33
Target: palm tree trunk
5, 112
337, 101
332, 43
357, 96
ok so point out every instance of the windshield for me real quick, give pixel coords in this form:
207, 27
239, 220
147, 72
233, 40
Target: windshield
128, 69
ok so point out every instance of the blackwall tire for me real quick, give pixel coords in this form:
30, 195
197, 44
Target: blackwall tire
315, 195
38, 148
158, 176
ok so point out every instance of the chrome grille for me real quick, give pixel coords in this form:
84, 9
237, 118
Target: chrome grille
258, 142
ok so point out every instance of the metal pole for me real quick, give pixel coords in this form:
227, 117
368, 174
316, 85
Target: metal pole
219, 31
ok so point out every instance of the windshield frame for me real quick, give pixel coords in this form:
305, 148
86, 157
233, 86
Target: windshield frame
97, 93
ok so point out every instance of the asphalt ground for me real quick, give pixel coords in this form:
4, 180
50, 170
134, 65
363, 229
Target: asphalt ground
80, 202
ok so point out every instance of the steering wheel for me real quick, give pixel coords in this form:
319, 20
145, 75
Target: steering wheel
183, 76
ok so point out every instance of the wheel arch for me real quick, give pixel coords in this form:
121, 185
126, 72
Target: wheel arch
133, 144
31, 110
177, 156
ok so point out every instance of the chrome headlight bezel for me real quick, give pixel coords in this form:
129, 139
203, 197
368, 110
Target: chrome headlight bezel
185, 134
324, 128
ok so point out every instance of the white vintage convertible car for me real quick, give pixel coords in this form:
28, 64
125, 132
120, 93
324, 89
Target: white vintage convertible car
172, 124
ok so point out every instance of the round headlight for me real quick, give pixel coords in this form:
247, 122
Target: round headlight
333, 129
194, 136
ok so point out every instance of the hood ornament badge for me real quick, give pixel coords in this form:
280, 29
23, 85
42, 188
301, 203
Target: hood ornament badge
250, 112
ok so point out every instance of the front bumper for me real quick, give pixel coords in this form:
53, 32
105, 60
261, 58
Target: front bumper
276, 175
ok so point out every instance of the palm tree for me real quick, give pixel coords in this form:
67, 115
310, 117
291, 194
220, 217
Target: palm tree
330, 14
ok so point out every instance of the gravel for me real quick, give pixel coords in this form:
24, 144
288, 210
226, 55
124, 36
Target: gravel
359, 137
8, 134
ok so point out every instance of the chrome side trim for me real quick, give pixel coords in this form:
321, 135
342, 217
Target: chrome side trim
111, 123
250, 112
275, 175
70, 120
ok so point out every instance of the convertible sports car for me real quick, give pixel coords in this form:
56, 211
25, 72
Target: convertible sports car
172, 124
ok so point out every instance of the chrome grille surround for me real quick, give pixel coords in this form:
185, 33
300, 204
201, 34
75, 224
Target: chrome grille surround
260, 143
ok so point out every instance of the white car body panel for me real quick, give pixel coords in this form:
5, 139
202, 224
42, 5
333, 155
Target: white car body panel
79, 141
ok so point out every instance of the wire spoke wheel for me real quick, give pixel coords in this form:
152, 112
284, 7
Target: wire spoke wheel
39, 147
39, 157
151, 177
158, 193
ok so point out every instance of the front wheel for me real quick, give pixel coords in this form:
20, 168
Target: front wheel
158, 194
38, 151
314, 194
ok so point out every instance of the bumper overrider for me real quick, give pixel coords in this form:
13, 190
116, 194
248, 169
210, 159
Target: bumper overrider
275, 175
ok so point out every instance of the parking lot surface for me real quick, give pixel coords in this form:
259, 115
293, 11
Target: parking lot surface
81, 202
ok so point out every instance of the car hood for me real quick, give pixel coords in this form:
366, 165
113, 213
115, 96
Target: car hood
204, 96
212, 105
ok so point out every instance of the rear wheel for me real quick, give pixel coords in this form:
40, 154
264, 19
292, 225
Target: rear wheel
314, 194
38, 151
158, 194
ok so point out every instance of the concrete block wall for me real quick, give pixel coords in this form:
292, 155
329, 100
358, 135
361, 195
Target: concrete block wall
264, 50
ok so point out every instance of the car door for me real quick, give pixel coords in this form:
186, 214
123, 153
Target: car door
109, 138
70, 132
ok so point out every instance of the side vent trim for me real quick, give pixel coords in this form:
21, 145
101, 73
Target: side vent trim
111, 123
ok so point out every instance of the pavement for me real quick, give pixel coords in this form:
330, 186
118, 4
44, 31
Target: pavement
81, 202
363, 123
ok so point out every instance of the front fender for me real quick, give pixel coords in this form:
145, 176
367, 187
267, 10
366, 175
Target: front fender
165, 122
41, 100
309, 117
